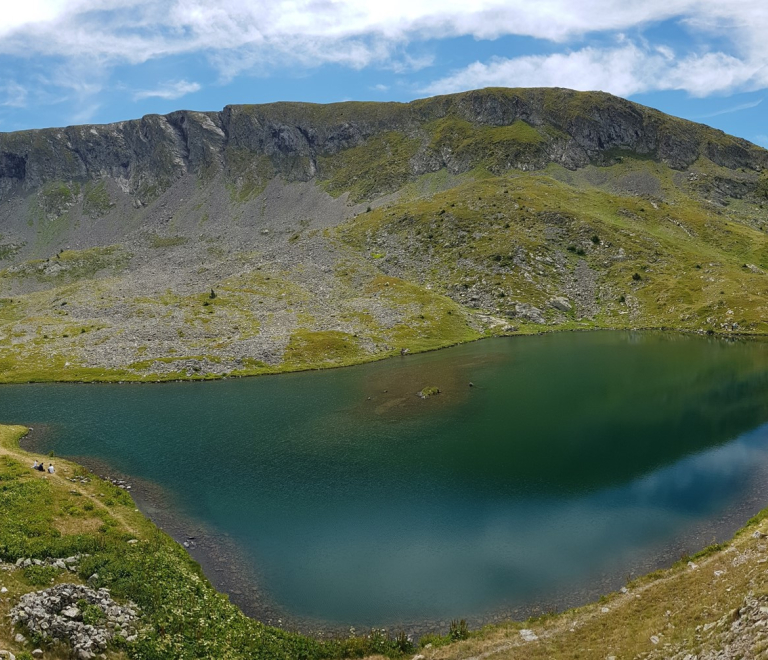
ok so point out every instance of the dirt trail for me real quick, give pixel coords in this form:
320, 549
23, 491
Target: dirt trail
64, 471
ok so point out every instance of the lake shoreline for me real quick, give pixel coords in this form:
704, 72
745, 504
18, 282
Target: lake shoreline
160, 379
225, 566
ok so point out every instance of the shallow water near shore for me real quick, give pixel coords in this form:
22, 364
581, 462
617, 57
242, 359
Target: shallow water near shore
571, 462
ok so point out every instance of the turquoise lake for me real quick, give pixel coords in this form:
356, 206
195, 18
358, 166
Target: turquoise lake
573, 461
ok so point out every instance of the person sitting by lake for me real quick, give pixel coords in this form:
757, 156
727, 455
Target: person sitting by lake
40, 467
50, 468
34, 465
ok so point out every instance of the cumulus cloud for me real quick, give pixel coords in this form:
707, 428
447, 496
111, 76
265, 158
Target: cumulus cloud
169, 90
256, 35
623, 70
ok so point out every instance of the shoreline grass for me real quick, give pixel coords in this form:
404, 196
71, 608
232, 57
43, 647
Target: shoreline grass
84, 375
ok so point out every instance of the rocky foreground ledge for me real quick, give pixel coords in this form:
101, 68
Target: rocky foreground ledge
88, 619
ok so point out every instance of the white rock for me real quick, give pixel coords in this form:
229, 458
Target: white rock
8, 655
624, 590
19, 639
654, 639
719, 573
692, 566
605, 610
561, 303
528, 635
3, 590
38, 653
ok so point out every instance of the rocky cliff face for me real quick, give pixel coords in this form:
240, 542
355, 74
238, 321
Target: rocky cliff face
571, 129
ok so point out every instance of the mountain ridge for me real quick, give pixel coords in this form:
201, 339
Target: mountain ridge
595, 122
334, 234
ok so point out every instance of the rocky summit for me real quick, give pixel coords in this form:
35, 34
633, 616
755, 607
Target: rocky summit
268, 238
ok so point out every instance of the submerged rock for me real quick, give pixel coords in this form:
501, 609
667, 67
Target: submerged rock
428, 392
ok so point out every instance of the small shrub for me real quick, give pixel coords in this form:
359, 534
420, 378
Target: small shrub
92, 615
403, 643
636, 277
39, 576
596, 239
459, 630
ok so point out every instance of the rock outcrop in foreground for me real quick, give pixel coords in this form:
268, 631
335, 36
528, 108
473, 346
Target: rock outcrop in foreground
88, 619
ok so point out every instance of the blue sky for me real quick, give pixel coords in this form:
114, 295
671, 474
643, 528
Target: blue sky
67, 62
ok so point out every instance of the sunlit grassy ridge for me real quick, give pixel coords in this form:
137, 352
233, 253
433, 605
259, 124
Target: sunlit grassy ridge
665, 259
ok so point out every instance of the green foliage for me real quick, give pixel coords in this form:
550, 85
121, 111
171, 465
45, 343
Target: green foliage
40, 575
72, 265
321, 347
56, 198
92, 615
9, 250
458, 630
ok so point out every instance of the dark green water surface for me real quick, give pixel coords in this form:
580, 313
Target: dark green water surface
573, 461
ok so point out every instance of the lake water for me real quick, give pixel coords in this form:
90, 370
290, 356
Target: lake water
572, 462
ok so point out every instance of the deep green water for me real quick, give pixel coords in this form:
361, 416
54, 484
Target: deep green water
574, 460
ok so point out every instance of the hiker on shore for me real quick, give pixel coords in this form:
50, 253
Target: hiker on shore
50, 468
40, 467
34, 465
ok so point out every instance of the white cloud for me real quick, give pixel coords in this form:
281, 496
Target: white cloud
85, 114
13, 95
735, 108
623, 70
255, 35
135, 30
169, 90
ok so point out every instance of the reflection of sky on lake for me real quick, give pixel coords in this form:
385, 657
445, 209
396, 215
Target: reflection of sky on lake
529, 547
